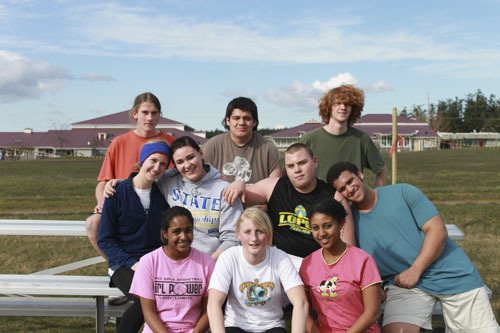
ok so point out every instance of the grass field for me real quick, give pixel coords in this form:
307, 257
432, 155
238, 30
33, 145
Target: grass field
464, 185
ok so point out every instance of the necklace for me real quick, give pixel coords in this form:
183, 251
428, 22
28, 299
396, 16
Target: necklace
330, 258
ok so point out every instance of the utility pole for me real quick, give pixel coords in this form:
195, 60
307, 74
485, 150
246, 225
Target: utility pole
428, 102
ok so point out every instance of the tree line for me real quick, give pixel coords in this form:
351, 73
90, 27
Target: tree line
476, 112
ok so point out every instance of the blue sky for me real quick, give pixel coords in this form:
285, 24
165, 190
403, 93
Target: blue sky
66, 61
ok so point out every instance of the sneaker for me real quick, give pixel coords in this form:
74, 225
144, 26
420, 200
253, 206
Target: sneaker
117, 300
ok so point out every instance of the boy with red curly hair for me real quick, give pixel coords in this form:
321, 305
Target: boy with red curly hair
338, 140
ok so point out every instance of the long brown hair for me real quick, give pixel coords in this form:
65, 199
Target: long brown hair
141, 98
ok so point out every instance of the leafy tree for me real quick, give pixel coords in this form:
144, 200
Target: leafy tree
455, 108
443, 122
492, 122
492, 125
212, 133
432, 117
474, 113
418, 113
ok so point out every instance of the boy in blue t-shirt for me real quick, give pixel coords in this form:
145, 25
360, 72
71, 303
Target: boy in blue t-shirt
403, 231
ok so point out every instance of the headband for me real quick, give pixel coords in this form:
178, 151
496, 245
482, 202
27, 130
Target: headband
153, 147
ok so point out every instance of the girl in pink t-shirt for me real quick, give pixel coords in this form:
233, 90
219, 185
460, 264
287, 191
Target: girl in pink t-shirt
172, 280
342, 281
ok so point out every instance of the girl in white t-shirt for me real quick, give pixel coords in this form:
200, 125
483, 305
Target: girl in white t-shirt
253, 278
172, 281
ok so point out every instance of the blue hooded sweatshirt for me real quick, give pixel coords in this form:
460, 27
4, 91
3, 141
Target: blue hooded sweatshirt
127, 231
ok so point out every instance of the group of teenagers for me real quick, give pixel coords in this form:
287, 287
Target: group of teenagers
227, 238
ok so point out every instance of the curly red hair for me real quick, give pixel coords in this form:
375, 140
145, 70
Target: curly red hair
347, 94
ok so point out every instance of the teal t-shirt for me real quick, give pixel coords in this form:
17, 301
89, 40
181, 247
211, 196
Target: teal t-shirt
354, 146
391, 232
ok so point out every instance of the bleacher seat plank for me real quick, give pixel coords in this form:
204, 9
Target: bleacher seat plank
56, 307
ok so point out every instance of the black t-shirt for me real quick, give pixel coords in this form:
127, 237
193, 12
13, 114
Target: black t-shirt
288, 210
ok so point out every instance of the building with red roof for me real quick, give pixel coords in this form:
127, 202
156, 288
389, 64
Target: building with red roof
87, 138
415, 135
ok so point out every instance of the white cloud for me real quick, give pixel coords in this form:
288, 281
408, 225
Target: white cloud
303, 95
306, 95
296, 94
335, 81
99, 110
115, 30
233, 93
3, 12
463, 70
96, 77
23, 78
378, 86
109, 28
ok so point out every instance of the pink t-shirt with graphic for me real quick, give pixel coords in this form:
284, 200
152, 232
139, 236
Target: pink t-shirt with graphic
177, 287
336, 290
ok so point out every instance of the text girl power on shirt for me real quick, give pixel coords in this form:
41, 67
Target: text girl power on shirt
169, 289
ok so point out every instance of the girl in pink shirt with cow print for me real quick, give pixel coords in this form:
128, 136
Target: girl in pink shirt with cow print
342, 281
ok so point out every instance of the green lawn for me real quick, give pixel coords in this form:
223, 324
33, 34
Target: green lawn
462, 183
47, 189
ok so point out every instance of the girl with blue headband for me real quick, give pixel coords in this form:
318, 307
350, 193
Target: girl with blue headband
198, 186
130, 225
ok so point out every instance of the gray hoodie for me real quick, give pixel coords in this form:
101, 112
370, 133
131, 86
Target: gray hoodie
214, 218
